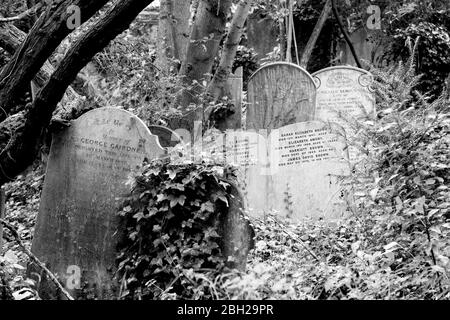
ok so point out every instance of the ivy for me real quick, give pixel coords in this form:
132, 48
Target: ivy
171, 243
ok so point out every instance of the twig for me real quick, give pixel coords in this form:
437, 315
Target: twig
2, 214
35, 259
23, 15
296, 238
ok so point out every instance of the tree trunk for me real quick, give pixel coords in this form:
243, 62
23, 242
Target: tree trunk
173, 33
22, 150
11, 39
315, 34
345, 33
207, 32
2, 216
45, 36
216, 86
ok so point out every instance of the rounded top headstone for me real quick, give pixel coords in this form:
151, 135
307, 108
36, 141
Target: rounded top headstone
280, 94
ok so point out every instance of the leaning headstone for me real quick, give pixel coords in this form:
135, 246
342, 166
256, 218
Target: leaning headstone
344, 93
280, 94
77, 226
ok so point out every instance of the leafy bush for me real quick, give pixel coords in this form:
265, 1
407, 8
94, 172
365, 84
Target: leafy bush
429, 20
171, 247
395, 244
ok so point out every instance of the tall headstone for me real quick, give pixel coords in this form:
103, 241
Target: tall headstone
344, 93
77, 226
280, 94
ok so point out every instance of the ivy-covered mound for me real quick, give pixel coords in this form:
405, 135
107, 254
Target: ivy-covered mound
172, 246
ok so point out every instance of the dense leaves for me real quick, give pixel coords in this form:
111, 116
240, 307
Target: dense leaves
172, 247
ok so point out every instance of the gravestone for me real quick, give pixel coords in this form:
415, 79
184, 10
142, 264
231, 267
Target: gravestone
344, 92
167, 138
309, 161
279, 94
295, 171
77, 226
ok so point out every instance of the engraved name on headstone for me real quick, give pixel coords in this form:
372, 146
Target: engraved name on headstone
311, 159
87, 171
344, 93
294, 172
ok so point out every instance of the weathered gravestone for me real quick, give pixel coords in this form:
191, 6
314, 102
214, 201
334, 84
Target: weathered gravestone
279, 94
344, 93
77, 225
309, 160
247, 151
295, 172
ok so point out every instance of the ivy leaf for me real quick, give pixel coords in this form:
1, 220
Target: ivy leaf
177, 200
139, 215
161, 197
172, 174
127, 209
224, 199
207, 206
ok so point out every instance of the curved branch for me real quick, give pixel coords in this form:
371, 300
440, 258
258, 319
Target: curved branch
315, 34
34, 259
23, 15
22, 150
344, 32
45, 36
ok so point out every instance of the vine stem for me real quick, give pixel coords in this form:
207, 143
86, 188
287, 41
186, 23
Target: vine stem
34, 259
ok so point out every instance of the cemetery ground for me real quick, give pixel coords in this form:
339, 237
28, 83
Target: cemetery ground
315, 180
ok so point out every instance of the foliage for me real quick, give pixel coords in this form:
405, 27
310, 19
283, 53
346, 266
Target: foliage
246, 58
429, 20
21, 207
395, 243
130, 78
171, 246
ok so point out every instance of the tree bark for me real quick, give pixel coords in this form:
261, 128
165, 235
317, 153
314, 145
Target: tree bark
22, 150
207, 32
11, 39
45, 36
216, 86
315, 34
173, 33
2, 216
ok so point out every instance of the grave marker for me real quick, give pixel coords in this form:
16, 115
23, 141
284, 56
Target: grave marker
88, 167
344, 91
280, 94
295, 172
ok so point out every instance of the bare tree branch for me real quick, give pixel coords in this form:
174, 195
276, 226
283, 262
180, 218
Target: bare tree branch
21, 152
30, 12
34, 259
